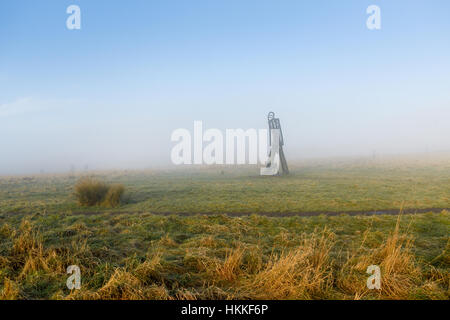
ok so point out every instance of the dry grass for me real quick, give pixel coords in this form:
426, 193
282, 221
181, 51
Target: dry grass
310, 266
399, 269
113, 196
91, 192
10, 290
302, 273
230, 268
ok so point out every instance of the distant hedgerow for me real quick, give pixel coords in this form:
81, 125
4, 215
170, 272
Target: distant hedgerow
91, 192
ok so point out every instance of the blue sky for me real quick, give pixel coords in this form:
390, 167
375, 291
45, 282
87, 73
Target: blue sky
110, 94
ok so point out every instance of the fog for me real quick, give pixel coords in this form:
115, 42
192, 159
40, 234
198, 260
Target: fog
50, 141
110, 94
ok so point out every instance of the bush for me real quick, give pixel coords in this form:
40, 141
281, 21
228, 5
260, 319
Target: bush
91, 192
113, 196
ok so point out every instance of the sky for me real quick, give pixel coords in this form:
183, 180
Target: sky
110, 94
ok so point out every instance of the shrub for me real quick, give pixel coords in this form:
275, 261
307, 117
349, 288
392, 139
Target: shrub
113, 196
92, 192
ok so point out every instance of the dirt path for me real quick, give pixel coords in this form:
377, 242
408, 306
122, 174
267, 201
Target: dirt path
271, 214
310, 214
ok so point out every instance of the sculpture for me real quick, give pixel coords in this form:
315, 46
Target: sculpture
276, 164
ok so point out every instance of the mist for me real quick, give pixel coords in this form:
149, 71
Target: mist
109, 95
50, 142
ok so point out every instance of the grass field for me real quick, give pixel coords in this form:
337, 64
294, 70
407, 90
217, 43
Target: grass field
312, 187
133, 252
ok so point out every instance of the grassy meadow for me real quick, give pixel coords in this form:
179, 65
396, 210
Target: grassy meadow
311, 187
226, 233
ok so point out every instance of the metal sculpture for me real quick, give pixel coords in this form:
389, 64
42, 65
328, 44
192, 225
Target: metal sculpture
276, 163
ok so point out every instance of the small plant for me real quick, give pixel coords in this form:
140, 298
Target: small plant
91, 192
113, 196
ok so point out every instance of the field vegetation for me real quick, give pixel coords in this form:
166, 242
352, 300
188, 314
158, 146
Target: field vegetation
146, 256
91, 192
312, 187
226, 233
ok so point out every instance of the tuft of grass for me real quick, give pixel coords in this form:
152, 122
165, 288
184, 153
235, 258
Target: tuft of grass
397, 262
10, 290
230, 268
301, 273
91, 192
113, 196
